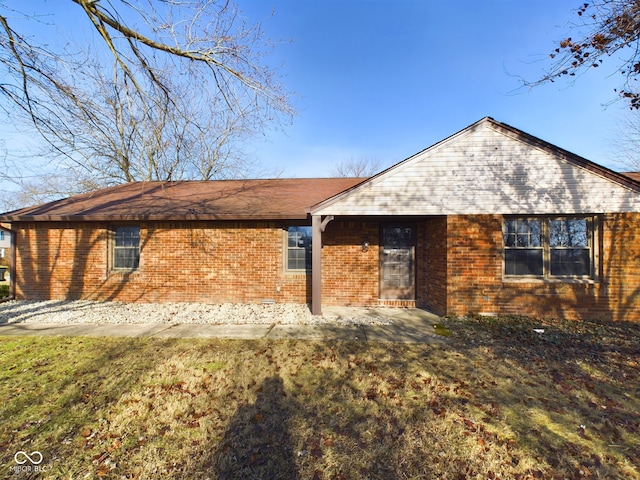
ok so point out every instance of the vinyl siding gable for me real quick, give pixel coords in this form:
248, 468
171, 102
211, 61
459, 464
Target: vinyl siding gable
485, 169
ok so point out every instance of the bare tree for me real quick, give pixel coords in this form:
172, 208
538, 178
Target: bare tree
625, 142
605, 29
362, 167
173, 98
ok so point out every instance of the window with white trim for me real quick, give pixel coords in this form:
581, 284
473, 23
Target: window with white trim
126, 248
298, 249
548, 247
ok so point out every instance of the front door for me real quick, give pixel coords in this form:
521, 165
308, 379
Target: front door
397, 260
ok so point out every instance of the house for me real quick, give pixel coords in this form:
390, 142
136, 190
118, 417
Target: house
5, 242
490, 220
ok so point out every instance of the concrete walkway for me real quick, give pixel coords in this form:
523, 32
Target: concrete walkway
410, 325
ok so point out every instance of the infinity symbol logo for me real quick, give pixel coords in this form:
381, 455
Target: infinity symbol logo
35, 458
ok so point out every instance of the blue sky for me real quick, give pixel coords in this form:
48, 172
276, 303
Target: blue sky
385, 79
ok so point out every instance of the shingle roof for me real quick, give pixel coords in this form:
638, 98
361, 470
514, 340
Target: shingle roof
190, 200
634, 175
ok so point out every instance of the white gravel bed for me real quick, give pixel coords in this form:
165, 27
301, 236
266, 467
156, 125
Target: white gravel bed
85, 311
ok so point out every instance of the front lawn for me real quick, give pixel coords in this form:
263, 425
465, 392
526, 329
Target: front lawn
501, 400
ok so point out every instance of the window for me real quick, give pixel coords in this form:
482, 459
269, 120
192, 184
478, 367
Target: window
126, 248
298, 248
569, 246
523, 247
1, 235
548, 247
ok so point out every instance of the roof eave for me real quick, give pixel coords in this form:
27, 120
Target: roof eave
149, 218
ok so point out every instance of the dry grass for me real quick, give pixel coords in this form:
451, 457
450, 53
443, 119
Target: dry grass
501, 401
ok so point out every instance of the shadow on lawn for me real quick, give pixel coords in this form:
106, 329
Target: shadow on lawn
57, 403
567, 387
257, 443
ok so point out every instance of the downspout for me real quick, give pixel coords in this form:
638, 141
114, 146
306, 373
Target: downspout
318, 226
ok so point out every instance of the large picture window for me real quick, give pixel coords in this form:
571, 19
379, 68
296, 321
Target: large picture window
298, 248
126, 247
548, 247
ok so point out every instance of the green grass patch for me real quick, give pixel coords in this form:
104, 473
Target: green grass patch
498, 401
4, 291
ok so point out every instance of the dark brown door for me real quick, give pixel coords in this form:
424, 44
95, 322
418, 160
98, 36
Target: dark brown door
397, 262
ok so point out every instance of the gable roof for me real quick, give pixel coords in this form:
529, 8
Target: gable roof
489, 168
190, 200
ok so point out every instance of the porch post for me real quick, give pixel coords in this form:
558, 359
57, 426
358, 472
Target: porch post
317, 227
316, 265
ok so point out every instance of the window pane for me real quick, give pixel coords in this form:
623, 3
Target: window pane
522, 233
570, 262
299, 236
568, 232
126, 258
509, 233
127, 236
535, 233
293, 239
397, 237
292, 260
523, 262
299, 248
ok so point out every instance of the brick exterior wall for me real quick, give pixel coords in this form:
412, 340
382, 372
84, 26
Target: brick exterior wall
432, 265
179, 262
475, 282
459, 267
350, 276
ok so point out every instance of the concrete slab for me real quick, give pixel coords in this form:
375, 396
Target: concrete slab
317, 332
192, 330
410, 325
350, 313
82, 329
48, 329
133, 330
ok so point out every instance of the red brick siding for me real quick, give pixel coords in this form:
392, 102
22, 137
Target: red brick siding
431, 252
620, 268
350, 276
203, 261
459, 267
58, 260
476, 282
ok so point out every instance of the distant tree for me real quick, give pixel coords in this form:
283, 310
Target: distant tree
605, 28
362, 167
172, 98
626, 143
